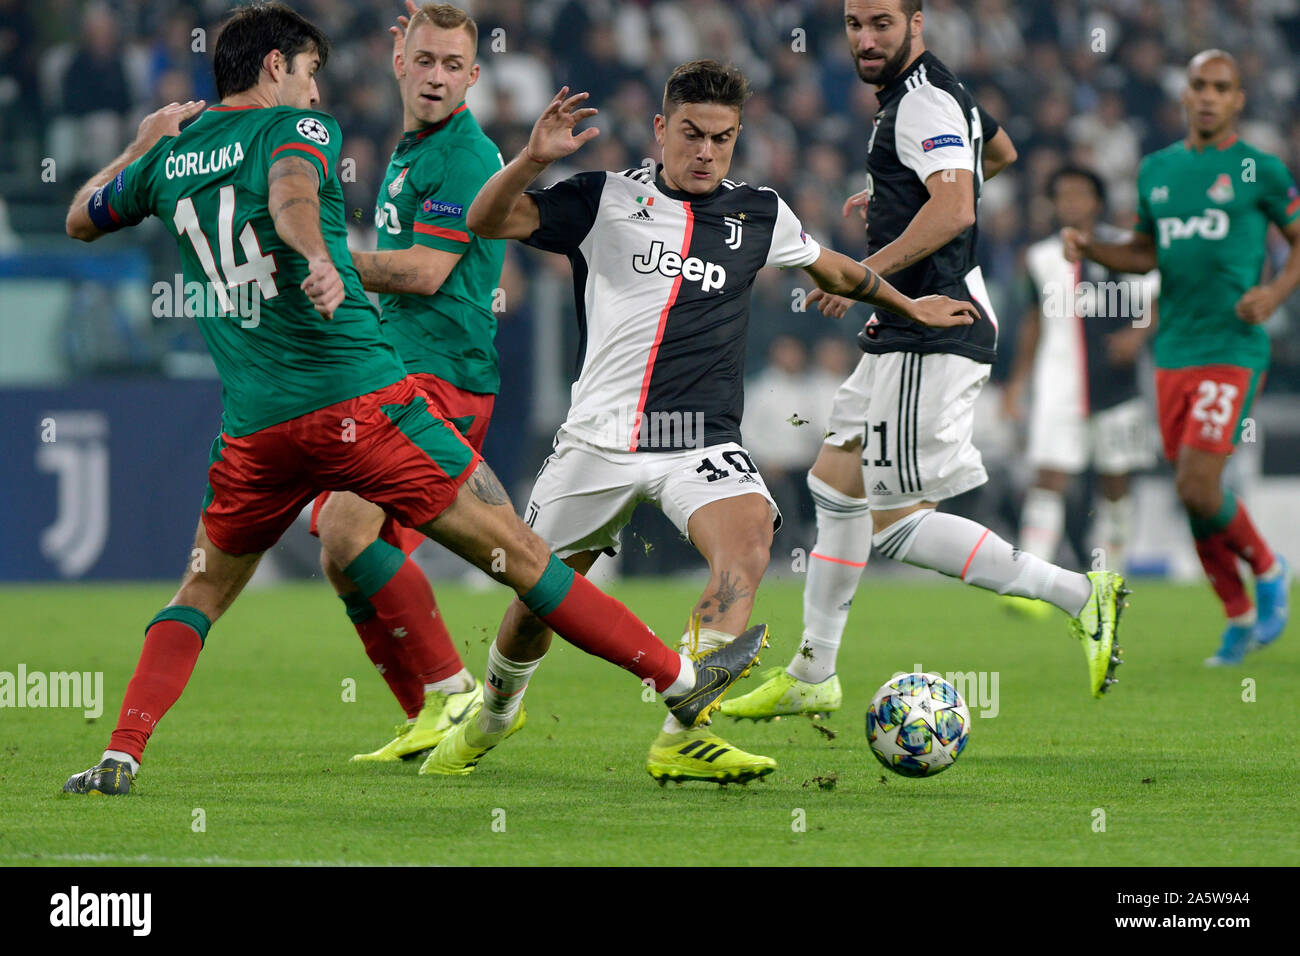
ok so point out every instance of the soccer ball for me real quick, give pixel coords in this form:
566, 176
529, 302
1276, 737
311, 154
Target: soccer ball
917, 725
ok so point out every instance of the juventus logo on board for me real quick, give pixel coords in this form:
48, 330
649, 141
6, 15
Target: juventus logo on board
734, 224
79, 460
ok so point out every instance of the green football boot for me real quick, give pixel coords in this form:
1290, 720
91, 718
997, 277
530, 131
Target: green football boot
439, 716
1096, 626
693, 755
459, 752
781, 695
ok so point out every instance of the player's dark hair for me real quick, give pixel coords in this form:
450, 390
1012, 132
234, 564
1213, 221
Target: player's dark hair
910, 8
254, 31
1078, 172
705, 81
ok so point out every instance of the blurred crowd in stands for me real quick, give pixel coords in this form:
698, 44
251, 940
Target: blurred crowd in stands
1094, 82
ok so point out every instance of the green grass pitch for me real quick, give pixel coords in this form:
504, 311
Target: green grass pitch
1185, 769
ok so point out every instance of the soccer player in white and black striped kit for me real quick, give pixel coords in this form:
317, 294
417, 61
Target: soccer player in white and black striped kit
664, 261
900, 429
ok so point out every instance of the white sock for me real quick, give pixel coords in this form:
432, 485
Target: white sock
964, 549
457, 683
1042, 521
122, 755
1114, 528
709, 639
503, 690
1273, 573
685, 678
835, 567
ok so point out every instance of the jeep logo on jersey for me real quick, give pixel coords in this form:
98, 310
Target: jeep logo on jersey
709, 275
1212, 225
314, 130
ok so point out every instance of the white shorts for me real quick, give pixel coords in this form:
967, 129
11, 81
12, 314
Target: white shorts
584, 496
914, 415
1115, 441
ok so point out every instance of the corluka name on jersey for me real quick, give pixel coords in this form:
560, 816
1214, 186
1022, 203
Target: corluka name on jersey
926, 122
280, 358
433, 176
662, 280
1208, 211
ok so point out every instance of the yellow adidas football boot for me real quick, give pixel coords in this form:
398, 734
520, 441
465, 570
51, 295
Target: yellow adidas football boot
696, 755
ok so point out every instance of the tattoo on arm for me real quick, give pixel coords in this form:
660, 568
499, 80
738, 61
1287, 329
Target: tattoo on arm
866, 288
296, 200
486, 487
292, 166
379, 272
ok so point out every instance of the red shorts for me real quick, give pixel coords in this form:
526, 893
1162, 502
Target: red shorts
470, 412
391, 446
1204, 406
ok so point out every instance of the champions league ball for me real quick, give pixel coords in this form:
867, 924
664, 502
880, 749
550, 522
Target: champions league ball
917, 725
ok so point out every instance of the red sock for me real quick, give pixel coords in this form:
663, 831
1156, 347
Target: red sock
592, 620
166, 662
1220, 564
407, 608
383, 653
1246, 542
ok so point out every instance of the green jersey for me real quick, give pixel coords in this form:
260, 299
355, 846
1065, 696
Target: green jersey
1208, 211
432, 178
277, 357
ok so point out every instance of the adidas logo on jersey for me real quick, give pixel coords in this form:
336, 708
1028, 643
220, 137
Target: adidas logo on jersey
709, 275
880, 489
642, 215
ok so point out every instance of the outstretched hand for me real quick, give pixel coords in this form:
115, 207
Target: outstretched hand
832, 305
552, 137
166, 121
399, 37
1074, 242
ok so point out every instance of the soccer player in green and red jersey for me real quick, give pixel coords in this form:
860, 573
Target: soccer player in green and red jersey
436, 281
314, 399
1204, 206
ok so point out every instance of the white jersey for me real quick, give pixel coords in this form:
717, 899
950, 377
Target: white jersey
1080, 306
662, 280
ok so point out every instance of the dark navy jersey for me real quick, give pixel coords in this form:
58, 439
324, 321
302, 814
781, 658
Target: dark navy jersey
927, 122
662, 280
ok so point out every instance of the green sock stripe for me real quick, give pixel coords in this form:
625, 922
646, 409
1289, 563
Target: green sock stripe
358, 606
189, 616
1227, 511
375, 566
551, 588
1208, 527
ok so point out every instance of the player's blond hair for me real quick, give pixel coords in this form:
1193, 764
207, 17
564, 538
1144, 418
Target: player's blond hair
445, 16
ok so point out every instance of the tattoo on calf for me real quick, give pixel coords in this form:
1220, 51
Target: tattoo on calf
486, 487
729, 592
